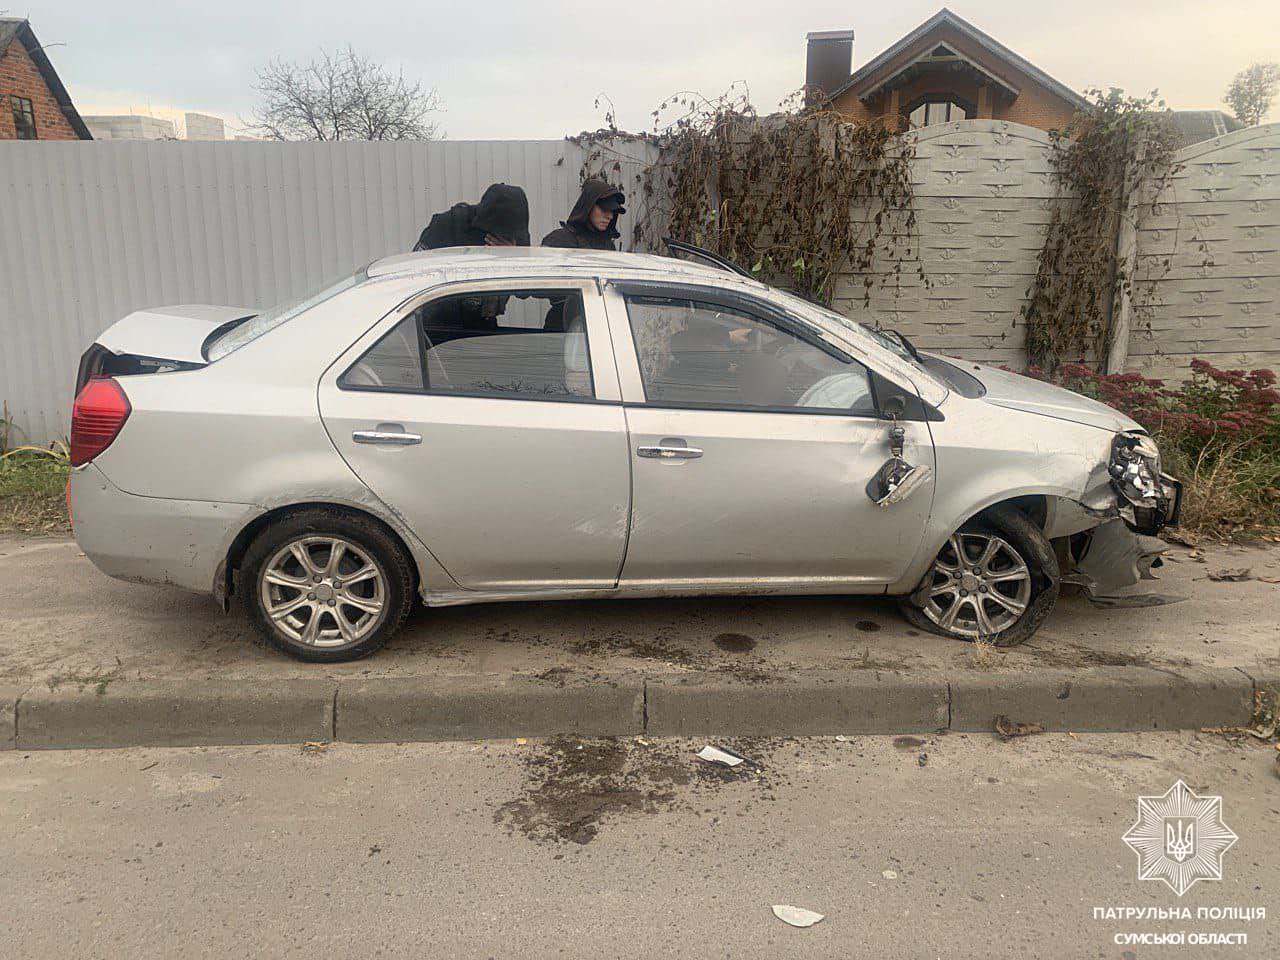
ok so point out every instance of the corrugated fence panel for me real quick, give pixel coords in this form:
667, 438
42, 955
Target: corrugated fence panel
92, 231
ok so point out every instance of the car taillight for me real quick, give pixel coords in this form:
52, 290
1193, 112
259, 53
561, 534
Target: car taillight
99, 412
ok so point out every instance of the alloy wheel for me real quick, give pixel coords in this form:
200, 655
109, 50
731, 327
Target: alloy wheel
981, 586
323, 591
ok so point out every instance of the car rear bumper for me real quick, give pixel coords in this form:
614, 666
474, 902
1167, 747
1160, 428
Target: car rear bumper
181, 543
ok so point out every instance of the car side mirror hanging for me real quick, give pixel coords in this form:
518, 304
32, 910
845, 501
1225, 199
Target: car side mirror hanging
896, 479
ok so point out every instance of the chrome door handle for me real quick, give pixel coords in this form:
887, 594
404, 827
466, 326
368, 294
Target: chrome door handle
390, 437
669, 453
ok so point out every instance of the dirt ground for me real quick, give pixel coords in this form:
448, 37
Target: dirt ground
62, 621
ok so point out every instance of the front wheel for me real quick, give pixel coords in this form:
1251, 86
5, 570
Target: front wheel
994, 580
325, 586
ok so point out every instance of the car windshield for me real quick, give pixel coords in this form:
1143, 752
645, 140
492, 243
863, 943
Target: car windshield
257, 325
880, 337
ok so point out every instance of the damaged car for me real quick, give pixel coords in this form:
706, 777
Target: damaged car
475, 425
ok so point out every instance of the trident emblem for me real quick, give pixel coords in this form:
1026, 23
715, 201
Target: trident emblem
1180, 837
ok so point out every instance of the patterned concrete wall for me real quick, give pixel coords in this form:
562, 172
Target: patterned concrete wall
1218, 228
984, 191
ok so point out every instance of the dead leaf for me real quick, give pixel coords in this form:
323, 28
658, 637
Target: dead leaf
1231, 575
1180, 536
521, 741
1269, 579
315, 746
1007, 729
1072, 735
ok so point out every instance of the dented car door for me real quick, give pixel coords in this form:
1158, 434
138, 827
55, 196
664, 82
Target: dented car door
753, 446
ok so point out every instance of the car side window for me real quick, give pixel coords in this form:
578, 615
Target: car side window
696, 354
514, 343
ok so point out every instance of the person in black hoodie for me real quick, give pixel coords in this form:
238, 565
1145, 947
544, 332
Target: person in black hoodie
593, 221
500, 219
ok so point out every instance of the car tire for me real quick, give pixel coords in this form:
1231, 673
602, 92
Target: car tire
999, 623
303, 606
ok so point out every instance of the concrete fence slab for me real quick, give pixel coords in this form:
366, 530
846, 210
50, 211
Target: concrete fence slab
176, 713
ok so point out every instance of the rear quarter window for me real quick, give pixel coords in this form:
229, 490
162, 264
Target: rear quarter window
251, 329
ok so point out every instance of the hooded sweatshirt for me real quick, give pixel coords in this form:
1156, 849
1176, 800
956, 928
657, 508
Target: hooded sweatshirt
577, 231
502, 211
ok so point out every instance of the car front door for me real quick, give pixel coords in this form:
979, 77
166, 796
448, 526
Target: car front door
753, 442
488, 416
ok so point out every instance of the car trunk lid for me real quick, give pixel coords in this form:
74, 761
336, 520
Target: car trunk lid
157, 340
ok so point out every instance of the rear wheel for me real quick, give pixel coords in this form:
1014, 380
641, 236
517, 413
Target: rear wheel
995, 580
325, 586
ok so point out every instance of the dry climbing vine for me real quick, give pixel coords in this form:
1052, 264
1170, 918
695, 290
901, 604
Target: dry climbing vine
800, 196
1111, 163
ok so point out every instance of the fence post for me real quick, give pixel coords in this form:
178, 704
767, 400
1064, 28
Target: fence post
1126, 262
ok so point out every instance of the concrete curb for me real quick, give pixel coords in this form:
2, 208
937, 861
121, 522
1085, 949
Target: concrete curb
168, 713
806, 705
9, 697
469, 708
1106, 698
130, 713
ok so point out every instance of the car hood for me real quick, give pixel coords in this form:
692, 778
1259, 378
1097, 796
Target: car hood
1016, 392
170, 333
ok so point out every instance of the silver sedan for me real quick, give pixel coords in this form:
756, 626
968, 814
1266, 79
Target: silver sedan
476, 425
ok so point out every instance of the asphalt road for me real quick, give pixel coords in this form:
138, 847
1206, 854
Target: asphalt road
946, 846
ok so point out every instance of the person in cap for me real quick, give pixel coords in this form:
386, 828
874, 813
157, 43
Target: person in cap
500, 219
593, 221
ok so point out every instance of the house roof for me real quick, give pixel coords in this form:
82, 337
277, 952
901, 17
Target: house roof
945, 17
16, 29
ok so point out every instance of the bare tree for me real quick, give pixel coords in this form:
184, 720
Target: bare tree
1252, 92
342, 96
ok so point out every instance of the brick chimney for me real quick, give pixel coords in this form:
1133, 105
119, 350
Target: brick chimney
828, 61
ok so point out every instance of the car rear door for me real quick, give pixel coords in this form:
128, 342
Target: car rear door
752, 445
488, 416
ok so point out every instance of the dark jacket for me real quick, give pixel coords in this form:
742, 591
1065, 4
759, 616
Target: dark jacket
577, 230
502, 211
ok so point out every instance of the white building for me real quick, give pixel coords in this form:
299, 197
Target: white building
130, 127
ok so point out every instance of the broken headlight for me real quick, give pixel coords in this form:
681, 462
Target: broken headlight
1151, 498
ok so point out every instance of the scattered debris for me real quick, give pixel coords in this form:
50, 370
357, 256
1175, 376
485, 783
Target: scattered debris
1180, 536
889, 874
841, 738
153, 763
924, 758
726, 758
521, 741
1197, 556
907, 743
1231, 575
1269, 579
796, 916
1007, 729
1136, 600
315, 746
867, 626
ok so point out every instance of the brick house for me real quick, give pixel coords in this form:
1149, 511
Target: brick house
945, 69
34, 105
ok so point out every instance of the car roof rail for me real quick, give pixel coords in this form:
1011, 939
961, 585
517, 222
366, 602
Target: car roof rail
675, 246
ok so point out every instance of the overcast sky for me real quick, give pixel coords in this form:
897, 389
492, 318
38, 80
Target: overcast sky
533, 68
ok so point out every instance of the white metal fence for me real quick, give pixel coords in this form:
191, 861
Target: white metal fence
92, 231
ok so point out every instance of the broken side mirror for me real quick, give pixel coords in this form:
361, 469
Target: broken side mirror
896, 479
